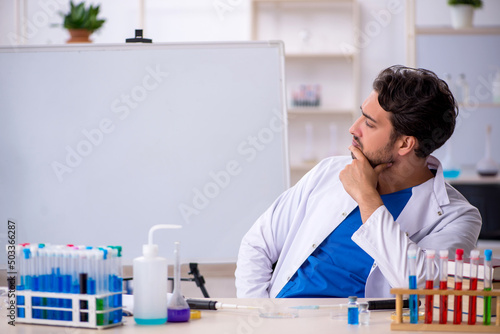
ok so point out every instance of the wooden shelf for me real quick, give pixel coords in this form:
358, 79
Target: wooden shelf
316, 56
319, 111
301, 1
445, 30
479, 106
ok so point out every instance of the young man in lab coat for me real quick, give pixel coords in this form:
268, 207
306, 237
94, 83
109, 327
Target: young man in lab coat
344, 229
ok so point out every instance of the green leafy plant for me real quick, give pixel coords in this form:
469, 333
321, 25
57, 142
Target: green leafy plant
473, 3
80, 17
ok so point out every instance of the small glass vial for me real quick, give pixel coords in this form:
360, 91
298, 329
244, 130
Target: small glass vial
364, 314
353, 311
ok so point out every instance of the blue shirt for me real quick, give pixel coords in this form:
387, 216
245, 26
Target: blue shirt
339, 267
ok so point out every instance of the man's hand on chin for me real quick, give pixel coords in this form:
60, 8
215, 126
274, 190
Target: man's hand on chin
360, 181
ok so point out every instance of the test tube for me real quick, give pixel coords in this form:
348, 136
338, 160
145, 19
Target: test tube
91, 278
21, 277
412, 266
26, 268
118, 285
43, 271
98, 263
35, 280
459, 273
75, 270
429, 284
83, 280
474, 263
487, 286
443, 285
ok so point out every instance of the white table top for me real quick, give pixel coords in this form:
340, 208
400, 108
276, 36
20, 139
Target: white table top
240, 321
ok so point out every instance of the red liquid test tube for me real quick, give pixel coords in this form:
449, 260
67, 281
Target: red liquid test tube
459, 273
443, 285
474, 263
429, 284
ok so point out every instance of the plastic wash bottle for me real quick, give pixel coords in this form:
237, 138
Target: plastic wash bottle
150, 283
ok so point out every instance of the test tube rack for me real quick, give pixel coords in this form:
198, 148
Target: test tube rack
84, 311
398, 324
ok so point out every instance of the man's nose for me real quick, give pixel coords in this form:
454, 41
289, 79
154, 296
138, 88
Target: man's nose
354, 129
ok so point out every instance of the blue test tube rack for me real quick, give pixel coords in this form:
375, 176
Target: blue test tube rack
75, 316
69, 286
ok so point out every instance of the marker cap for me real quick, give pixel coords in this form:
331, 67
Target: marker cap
487, 254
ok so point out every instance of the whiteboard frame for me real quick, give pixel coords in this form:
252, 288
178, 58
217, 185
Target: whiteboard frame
190, 45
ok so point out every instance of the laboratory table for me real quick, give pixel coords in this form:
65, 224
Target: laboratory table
241, 321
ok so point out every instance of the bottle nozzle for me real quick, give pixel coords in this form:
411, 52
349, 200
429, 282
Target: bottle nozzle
160, 227
151, 249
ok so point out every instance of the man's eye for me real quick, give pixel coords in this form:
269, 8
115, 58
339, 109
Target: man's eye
368, 124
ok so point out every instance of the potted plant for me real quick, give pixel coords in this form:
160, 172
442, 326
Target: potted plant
81, 22
462, 12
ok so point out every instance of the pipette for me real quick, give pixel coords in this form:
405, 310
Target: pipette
385, 304
200, 304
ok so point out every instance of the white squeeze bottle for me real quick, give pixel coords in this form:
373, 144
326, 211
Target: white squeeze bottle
150, 283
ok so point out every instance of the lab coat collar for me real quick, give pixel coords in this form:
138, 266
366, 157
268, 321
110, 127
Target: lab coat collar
439, 182
414, 216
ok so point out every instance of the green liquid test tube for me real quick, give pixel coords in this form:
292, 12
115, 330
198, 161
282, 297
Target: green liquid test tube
487, 309
487, 286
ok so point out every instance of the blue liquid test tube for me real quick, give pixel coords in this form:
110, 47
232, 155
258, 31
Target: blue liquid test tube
20, 280
412, 267
75, 270
66, 281
35, 281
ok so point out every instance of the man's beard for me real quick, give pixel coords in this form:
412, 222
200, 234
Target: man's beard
381, 156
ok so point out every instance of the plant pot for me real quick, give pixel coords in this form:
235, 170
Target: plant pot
461, 16
79, 36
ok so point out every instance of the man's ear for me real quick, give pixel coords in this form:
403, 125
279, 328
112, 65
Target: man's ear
407, 144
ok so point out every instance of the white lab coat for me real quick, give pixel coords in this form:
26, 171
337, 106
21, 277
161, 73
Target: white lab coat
436, 217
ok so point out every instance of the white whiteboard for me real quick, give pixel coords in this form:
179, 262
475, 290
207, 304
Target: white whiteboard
99, 143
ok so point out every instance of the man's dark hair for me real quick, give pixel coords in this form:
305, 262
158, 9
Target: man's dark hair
420, 105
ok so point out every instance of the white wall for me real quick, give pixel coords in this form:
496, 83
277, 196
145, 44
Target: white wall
382, 43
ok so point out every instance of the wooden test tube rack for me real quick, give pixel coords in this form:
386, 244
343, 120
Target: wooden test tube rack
436, 326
